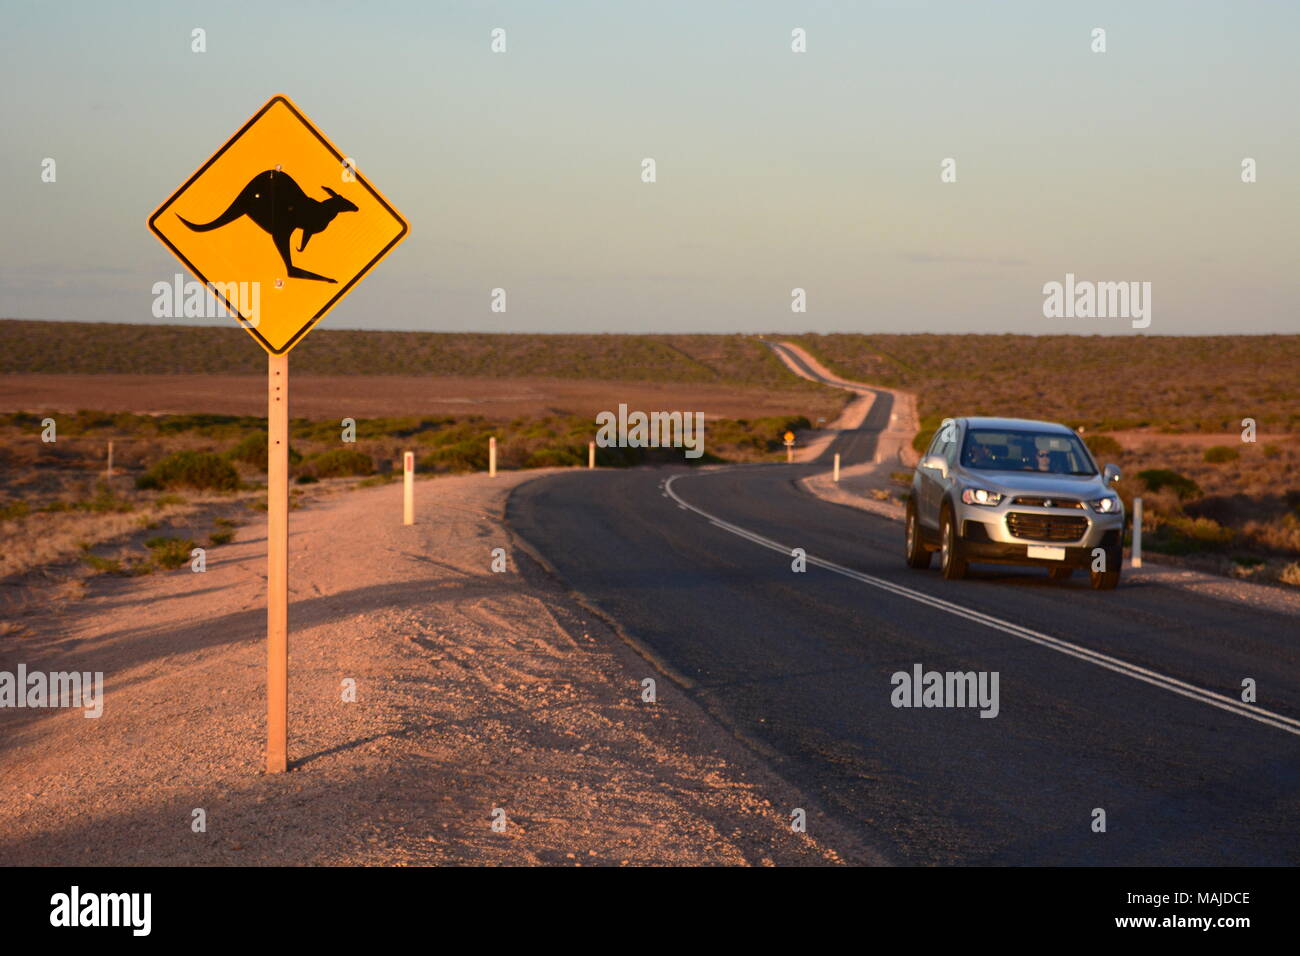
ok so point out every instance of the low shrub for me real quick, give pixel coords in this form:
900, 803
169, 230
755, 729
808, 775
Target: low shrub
191, 469
12, 510
170, 553
461, 456
102, 565
340, 463
1183, 535
1158, 478
1220, 454
565, 456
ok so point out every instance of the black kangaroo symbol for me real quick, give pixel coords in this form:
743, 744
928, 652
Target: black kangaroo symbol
276, 203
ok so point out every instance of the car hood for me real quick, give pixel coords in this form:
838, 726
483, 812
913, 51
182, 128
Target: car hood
1036, 483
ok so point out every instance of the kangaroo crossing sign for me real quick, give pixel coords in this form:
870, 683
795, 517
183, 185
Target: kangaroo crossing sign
234, 224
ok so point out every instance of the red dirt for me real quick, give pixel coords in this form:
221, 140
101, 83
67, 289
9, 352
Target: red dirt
371, 396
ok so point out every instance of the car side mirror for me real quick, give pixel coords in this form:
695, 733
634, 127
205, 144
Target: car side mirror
1110, 474
936, 463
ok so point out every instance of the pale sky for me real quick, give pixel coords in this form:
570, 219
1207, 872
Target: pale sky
776, 170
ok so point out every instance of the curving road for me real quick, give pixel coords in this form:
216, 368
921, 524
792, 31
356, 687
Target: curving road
852, 445
1125, 701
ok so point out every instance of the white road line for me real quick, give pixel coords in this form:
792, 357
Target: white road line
1156, 679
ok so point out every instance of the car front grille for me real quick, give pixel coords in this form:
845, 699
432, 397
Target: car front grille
1040, 501
1046, 527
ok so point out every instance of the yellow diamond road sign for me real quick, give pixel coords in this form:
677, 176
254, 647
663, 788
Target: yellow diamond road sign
278, 225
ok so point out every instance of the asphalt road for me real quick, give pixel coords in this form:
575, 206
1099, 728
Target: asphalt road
1126, 701
856, 445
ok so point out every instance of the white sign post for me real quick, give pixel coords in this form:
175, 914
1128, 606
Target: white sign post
1137, 533
408, 487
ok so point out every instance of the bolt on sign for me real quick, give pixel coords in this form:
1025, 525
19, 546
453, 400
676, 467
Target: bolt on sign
278, 225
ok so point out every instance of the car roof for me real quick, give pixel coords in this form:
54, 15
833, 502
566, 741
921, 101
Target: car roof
1011, 424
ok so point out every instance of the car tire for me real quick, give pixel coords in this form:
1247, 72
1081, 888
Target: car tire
952, 561
1060, 574
917, 555
1105, 580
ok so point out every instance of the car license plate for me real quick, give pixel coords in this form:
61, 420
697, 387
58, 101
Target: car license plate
1051, 554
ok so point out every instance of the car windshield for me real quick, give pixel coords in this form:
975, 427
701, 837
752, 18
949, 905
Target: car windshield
1002, 450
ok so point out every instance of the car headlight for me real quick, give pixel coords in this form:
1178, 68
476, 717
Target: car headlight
980, 496
1108, 505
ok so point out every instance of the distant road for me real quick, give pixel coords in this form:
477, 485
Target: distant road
1125, 701
853, 446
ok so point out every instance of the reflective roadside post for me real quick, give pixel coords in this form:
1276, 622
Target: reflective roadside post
408, 487
837, 466
789, 447
1137, 533
591, 455
492, 457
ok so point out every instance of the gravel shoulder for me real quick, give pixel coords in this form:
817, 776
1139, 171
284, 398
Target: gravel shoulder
475, 690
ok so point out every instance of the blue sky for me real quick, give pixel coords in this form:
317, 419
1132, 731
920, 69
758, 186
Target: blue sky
775, 170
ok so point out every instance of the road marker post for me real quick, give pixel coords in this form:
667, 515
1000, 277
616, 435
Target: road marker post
109, 472
789, 447
408, 487
492, 457
591, 455
837, 467
1136, 554
268, 177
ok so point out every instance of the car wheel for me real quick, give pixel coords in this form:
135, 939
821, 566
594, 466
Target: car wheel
1108, 579
951, 559
917, 555
1105, 580
1060, 574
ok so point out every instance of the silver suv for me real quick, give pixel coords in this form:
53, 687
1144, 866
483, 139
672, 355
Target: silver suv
1012, 491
